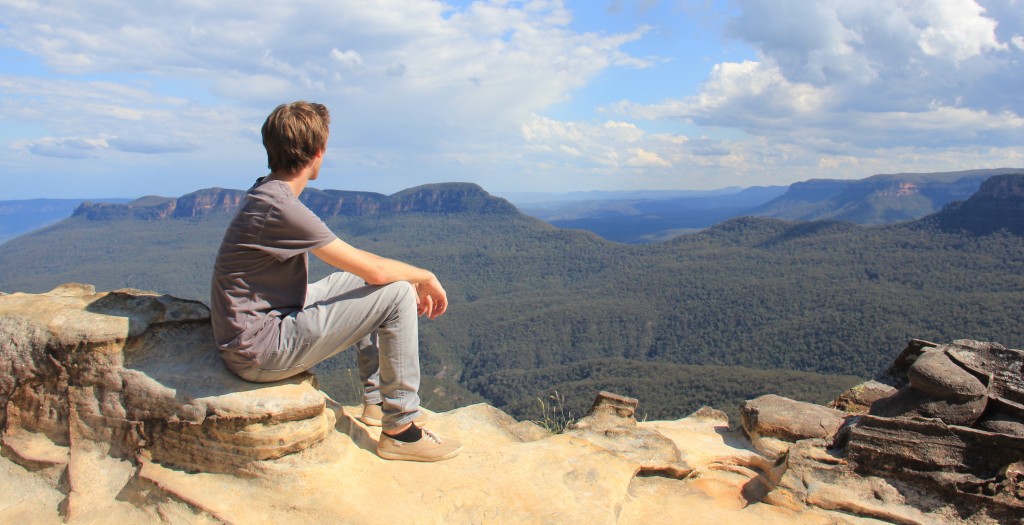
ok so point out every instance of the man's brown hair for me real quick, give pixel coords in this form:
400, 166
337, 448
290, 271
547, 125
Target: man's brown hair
294, 133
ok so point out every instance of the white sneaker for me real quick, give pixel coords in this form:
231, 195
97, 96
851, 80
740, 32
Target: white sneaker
430, 447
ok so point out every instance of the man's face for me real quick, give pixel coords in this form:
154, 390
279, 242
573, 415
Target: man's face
317, 162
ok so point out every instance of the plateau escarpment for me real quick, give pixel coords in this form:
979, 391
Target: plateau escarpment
431, 198
115, 407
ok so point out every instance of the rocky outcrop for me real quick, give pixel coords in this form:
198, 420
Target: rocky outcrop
204, 202
136, 372
943, 447
954, 429
116, 408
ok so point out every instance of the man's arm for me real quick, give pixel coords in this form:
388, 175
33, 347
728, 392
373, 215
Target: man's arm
376, 270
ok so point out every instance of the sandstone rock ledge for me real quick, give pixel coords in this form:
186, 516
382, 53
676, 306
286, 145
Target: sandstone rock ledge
116, 409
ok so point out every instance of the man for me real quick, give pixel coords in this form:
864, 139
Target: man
270, 325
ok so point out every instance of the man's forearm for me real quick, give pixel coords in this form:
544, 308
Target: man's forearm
391, 270
372, 268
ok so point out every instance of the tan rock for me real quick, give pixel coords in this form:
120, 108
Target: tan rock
935, 374
858, 399
116, 409
771, 419
610, 424
137, 370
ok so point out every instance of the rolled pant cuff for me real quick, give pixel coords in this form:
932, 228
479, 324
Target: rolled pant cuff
402, 420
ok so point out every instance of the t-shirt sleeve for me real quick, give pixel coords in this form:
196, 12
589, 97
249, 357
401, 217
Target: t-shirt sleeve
292, 229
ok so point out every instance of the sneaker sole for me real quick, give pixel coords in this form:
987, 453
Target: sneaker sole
407, 457
373, 422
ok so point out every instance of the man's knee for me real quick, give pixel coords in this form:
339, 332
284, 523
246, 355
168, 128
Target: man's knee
403, 293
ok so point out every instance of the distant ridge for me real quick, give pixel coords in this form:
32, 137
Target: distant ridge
454, 197
153, 207
880, 199
998, 205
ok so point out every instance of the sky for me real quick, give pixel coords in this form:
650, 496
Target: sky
109, 98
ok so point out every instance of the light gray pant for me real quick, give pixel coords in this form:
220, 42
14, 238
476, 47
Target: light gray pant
380, 321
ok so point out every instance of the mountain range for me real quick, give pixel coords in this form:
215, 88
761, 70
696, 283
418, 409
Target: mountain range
880, 199
746, 307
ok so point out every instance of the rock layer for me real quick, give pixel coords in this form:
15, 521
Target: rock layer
138, 371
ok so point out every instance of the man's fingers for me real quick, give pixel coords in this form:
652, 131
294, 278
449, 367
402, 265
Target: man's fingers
439, 308
426, 306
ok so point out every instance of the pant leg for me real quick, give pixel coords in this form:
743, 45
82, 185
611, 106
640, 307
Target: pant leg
367, 351
368, 359
329, 324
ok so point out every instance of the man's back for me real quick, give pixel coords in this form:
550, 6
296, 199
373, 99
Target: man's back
261, 269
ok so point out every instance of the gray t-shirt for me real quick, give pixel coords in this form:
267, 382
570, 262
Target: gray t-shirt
261, 272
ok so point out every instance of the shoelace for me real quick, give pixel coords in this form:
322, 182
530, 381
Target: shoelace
434, 437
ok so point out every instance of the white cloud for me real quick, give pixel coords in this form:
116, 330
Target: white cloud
641, 158
423, 91
67, 148
348, 58
401, 70
928, 73
608, 146
957, 29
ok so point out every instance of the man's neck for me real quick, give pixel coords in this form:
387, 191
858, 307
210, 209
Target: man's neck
296, 180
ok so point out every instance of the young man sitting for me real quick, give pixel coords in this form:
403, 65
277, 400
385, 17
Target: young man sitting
270, 324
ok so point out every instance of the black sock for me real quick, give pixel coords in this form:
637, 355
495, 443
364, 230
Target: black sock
409, 435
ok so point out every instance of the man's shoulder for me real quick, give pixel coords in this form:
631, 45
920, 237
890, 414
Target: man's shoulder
272, 188
272, 194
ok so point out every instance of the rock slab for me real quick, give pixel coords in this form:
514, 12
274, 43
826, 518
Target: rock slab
138, 372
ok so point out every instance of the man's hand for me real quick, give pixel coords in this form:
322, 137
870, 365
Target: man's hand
431, 299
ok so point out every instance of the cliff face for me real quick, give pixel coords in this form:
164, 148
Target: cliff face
433, 198
998, 205
116, 408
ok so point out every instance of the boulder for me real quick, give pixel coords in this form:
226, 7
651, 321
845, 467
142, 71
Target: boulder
935, 374
910, 402
809, 475
858, 399
771, 421
970, 468
954, 430
1003, 367
948, 444
138, 372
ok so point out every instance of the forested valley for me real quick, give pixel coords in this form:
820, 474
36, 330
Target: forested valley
750, 306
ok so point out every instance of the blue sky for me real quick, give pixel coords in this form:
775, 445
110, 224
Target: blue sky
108, 98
